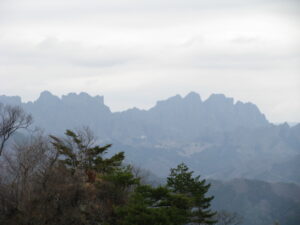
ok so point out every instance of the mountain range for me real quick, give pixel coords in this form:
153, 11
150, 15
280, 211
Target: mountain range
218, 138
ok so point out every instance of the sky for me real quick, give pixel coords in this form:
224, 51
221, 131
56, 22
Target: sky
135, 52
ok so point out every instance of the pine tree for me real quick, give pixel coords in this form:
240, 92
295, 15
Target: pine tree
181, 181
154, 206
182, 201
104, 183
77, 152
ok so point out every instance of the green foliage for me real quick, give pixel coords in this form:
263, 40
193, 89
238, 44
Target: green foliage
122, 178
75, 183
181, 181
153, 206
76, 154
180, 202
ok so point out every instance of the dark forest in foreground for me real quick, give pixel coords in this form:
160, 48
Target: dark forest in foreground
53, 180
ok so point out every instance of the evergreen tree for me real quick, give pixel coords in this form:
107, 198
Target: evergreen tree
76, 183
77, 152
181, 181
106, 182
154, 206
181, 201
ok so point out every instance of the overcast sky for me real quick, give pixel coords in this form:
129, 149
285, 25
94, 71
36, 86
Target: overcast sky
135, 52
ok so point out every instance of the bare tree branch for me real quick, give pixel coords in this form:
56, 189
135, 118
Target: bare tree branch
12, 118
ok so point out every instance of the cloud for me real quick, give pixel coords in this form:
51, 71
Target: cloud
51, 51
136, 52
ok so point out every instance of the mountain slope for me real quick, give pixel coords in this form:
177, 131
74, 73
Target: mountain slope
216, 137
258, 202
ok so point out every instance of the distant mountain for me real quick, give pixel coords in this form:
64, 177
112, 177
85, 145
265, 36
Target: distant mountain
57, 114
216, 137
258, 202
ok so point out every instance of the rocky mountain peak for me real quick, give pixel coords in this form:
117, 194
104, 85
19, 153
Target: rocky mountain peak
193, 97
46, 97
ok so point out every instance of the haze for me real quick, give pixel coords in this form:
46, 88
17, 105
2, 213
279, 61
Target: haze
136, 52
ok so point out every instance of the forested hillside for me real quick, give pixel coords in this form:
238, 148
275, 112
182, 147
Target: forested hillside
70, 180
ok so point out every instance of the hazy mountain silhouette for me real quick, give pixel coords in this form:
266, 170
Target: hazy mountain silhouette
216, 137
257, 201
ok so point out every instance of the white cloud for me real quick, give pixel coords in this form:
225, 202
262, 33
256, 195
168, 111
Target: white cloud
136, 52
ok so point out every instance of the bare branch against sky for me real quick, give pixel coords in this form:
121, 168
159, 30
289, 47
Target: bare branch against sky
249, 50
